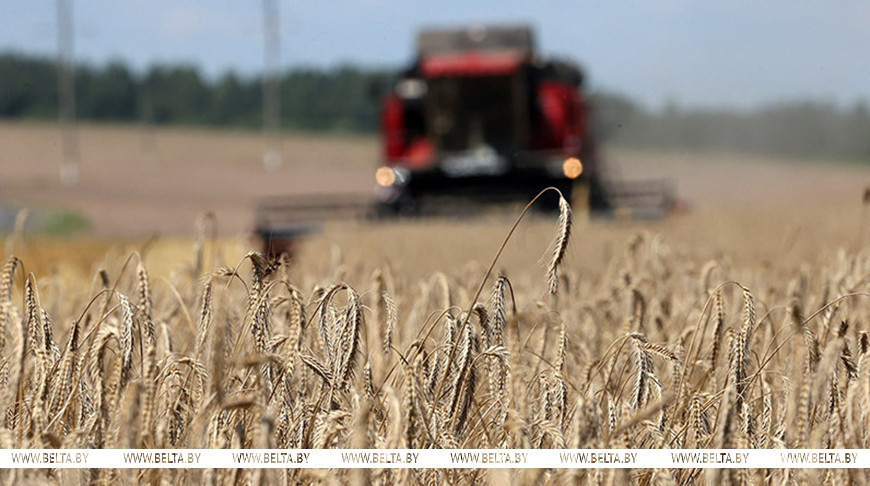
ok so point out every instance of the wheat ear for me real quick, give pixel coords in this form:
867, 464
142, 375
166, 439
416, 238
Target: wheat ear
560, 245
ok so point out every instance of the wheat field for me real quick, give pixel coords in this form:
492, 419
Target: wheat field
648, 343
740, 323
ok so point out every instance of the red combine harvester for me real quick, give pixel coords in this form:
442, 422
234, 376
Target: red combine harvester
478, 117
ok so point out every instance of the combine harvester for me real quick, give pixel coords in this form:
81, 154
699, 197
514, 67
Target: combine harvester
478, 118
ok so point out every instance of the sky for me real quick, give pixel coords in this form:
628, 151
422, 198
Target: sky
696, 53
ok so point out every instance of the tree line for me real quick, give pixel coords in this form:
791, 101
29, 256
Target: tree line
347, 99
796, 128
340, 99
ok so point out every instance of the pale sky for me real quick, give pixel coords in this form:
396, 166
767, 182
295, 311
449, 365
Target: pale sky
695, 52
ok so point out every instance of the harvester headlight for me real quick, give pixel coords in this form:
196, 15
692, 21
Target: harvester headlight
572, 167
385, 176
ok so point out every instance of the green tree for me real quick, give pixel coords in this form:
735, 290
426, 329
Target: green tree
107, 94
176, 95
28, 87
235, 102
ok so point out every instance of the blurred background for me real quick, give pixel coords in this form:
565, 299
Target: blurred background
134, 118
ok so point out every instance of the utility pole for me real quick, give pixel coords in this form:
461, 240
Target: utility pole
273, 156
66, 88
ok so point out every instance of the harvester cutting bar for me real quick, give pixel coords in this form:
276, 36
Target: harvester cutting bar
317, 207
641, 199
281, 221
